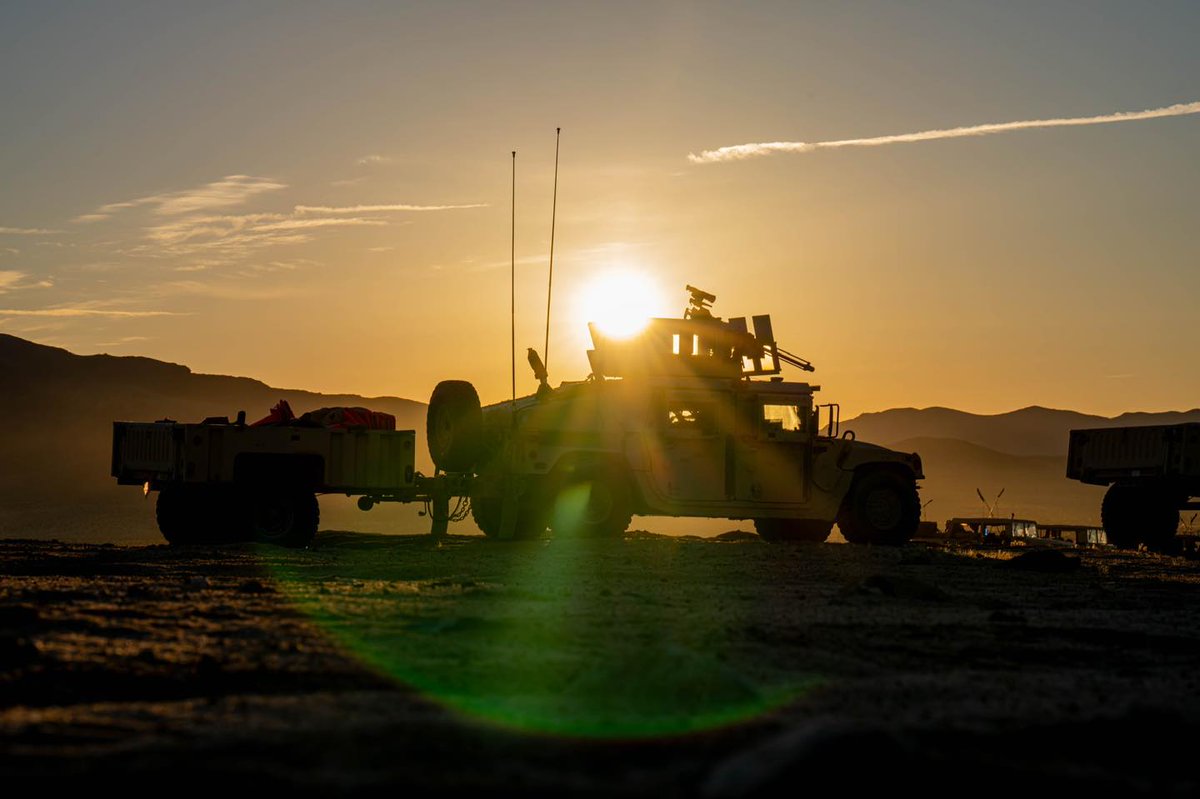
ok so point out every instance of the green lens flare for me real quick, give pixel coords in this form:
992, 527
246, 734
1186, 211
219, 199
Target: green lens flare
561, 636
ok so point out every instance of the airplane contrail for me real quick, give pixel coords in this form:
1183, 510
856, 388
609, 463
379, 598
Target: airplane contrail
739, 152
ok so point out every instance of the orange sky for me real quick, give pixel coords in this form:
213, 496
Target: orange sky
318, 195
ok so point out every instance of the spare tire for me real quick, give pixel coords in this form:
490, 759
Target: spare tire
454, 426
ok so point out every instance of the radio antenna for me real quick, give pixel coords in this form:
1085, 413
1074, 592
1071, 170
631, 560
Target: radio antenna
550, 280
512, 279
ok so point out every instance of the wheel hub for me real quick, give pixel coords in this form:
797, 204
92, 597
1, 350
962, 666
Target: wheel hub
883, 509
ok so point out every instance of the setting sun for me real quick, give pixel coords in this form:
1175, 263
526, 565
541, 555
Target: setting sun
620, 302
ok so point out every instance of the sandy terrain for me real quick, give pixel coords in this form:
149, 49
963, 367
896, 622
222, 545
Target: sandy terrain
662, 665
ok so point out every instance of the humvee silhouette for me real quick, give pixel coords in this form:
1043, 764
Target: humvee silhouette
673, 423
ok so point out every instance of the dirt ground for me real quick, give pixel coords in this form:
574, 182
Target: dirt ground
667, 665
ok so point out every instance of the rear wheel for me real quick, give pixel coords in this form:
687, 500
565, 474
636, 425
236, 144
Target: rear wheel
883, 507
1139, 514
590, 500
453, 426
804, 530
488, 513
284, 517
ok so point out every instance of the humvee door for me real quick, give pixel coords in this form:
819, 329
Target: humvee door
774, 451
689, 447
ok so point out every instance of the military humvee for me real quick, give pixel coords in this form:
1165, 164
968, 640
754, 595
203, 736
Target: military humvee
673, 423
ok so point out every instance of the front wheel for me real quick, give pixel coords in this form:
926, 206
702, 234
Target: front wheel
883, 507
796, 530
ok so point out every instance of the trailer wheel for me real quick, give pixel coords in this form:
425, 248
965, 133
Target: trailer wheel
883, 507
589, 500
197, 514
797, 530
1139, 514
175, 515
284, 517
453, 426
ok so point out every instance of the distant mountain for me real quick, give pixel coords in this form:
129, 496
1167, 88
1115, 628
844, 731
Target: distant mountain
1028, 431
58, 407
1035, 486
135, 388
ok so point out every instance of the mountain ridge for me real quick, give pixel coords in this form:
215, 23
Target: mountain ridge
1032, 430
17, 353
56, 459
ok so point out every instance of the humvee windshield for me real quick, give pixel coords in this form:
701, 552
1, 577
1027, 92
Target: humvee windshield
782, 417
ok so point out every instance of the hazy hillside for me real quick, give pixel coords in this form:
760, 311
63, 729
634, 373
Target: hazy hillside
1034, 485
59, 407
1028, 431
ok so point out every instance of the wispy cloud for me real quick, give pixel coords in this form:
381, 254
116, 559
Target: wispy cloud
122, 341
283, 266
27, 231
14, 280
230, 289
200, 230
487, 266
376, 209
228, 191
301, 224
237, 235
64, 312
101, 266
739, 152
368, 160
9, 279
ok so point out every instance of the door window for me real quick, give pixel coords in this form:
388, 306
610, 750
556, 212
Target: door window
696, 417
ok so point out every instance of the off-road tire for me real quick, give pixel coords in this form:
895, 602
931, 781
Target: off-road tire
882, 507
589, 500
1140, 514
453, 426
793, 530
175, 515
281, 516
197, 514
488, 513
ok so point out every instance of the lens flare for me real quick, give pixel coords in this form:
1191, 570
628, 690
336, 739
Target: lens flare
567, 637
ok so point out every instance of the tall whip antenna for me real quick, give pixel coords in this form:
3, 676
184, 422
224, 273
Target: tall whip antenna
512, 281
550, 281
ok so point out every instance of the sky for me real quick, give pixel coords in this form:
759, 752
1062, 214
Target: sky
318, 195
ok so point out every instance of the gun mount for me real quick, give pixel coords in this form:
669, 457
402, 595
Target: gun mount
700, 344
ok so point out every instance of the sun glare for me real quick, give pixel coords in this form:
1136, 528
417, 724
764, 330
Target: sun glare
620, 302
